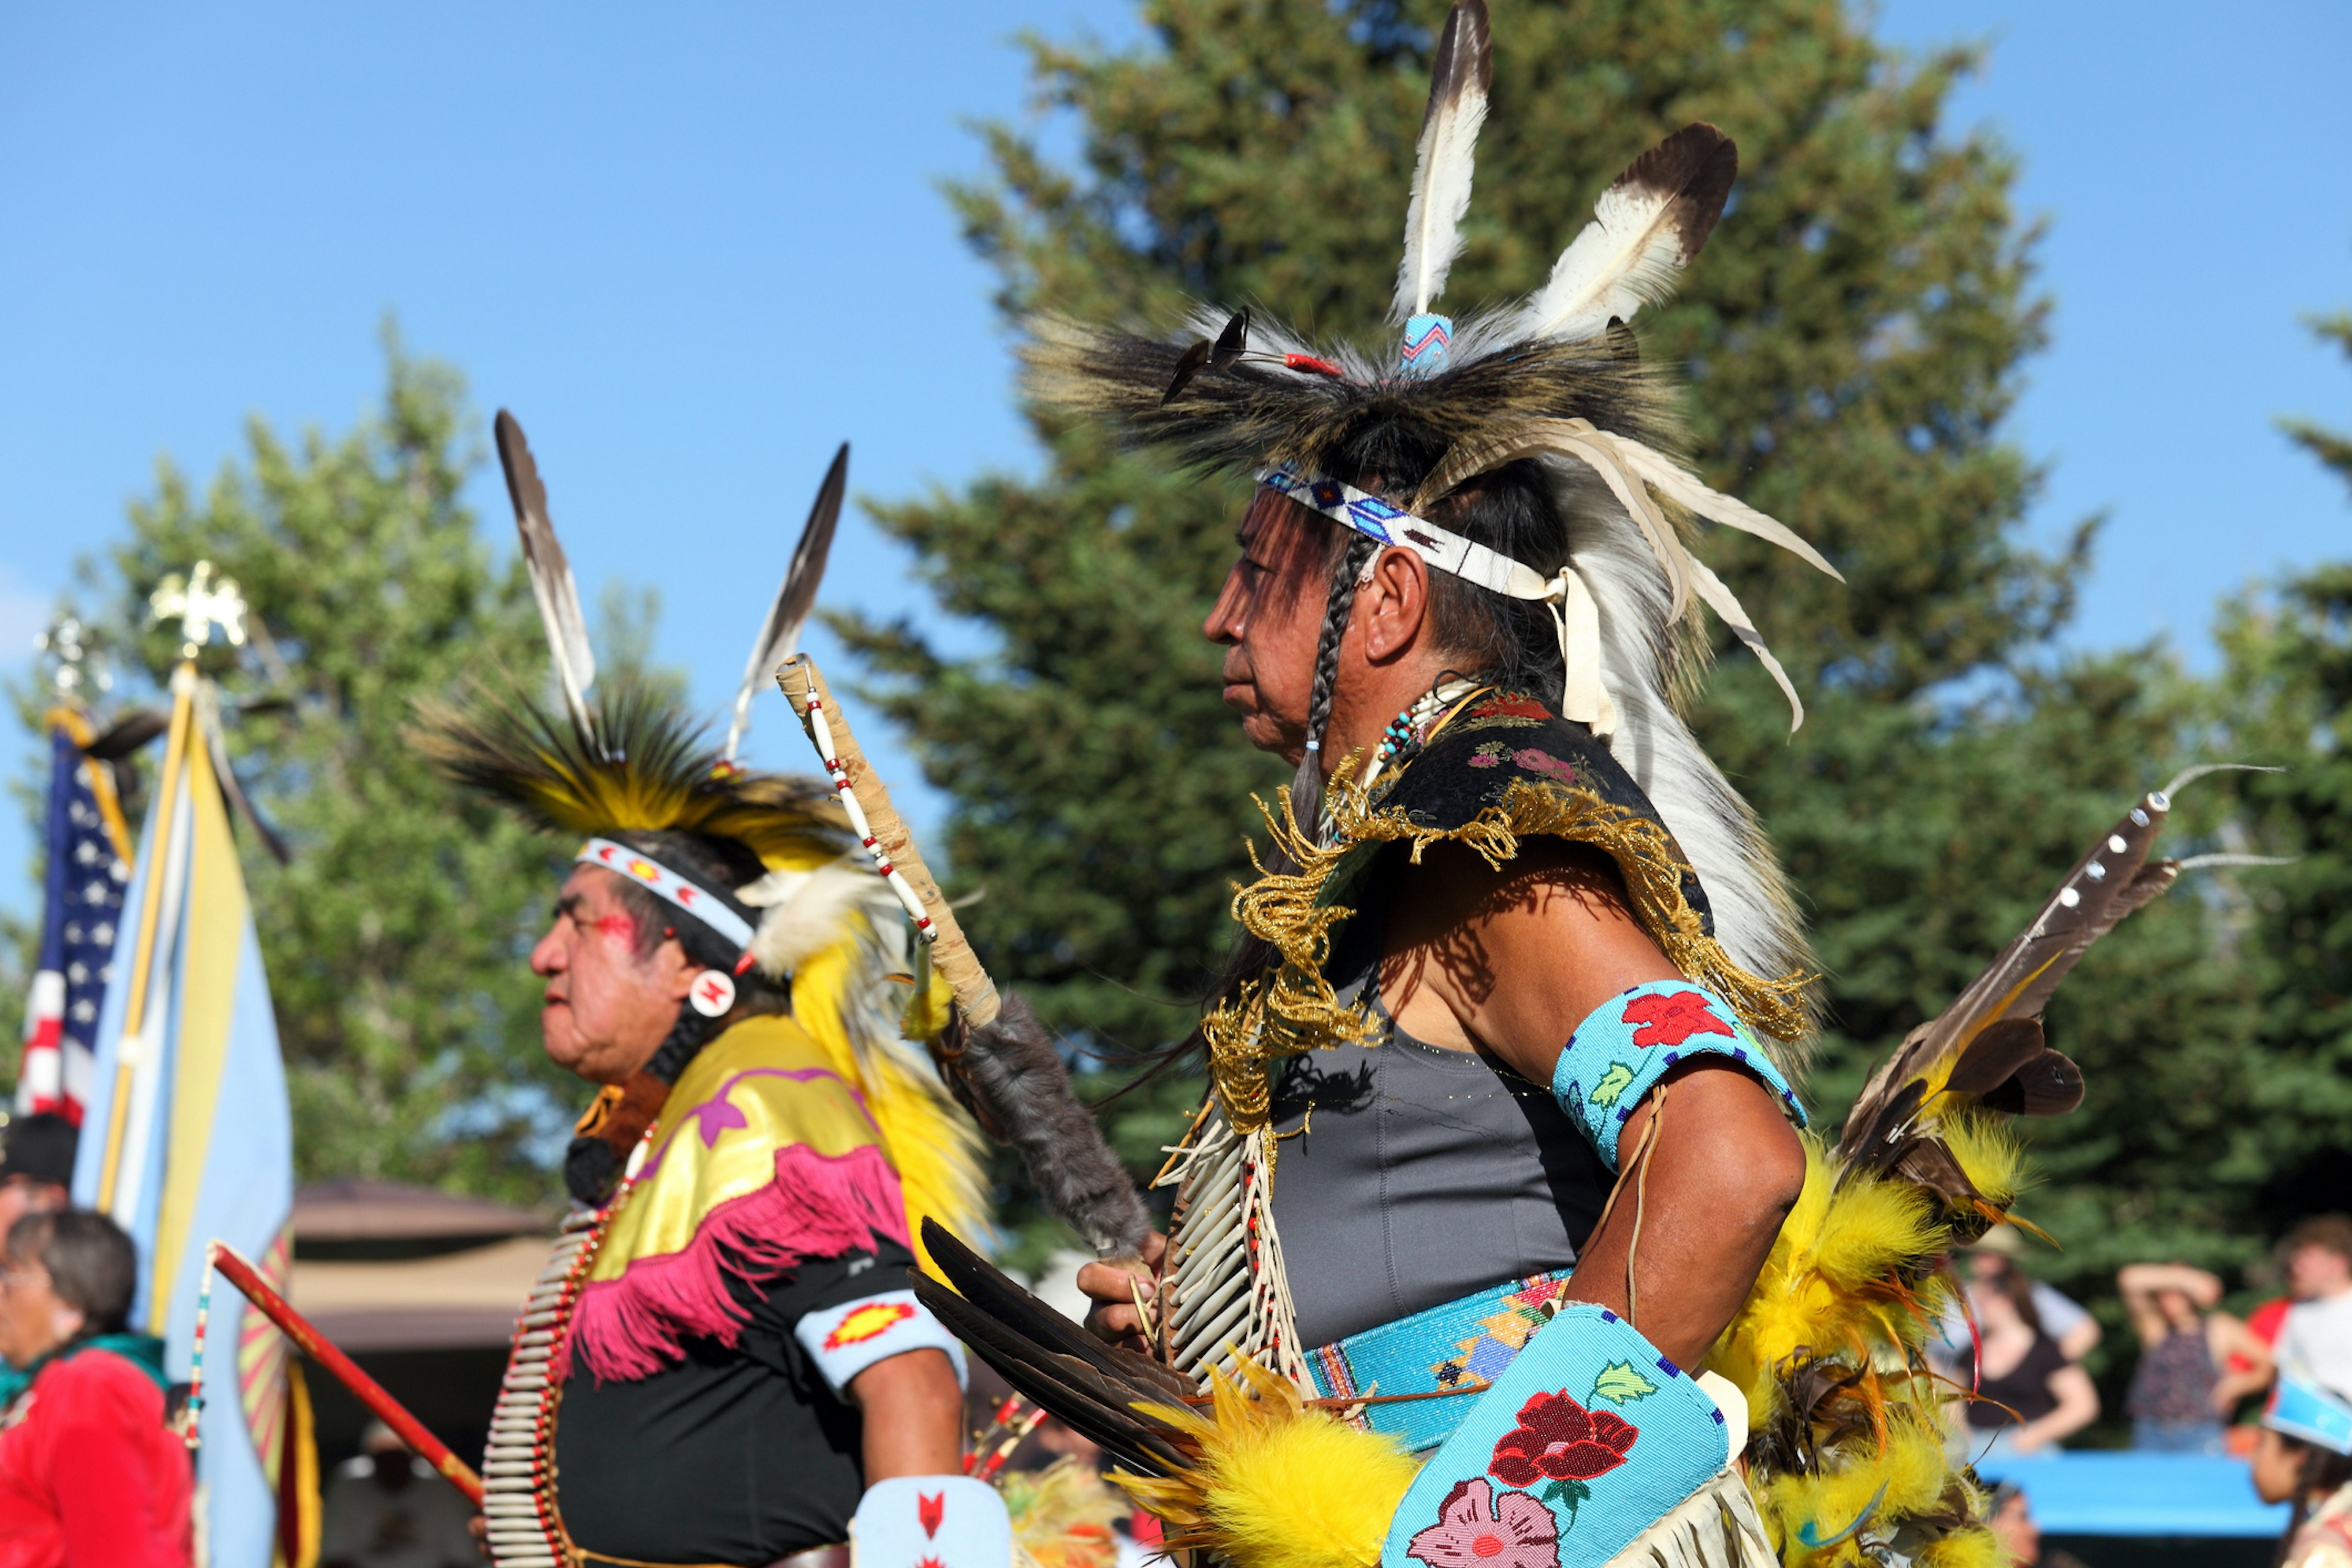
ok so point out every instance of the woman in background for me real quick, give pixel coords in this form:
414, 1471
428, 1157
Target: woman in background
2029, 1397
91, 1476
2195, 1361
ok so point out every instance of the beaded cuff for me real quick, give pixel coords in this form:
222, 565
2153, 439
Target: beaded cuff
845, 1340
1631, 1041
941, 1521
1584, 1441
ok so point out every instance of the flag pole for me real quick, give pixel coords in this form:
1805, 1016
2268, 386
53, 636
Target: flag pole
202, 603
151, 905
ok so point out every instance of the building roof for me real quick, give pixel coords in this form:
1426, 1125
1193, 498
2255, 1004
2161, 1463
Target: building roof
355, 1210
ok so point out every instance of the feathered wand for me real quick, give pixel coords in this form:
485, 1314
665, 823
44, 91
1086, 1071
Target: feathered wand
1004, 1064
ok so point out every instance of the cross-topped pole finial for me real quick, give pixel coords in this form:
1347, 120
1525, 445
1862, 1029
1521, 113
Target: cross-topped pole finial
200, 603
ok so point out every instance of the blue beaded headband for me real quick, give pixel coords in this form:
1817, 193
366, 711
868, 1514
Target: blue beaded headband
1377, 520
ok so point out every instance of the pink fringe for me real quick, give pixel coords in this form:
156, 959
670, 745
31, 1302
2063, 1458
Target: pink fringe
817, 1207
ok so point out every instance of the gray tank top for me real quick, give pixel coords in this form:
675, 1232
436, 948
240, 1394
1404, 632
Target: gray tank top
1422, 1174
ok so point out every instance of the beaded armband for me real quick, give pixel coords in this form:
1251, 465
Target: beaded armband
843, 1340
1631, 1041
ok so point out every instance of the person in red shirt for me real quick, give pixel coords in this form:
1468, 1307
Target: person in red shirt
89, 1473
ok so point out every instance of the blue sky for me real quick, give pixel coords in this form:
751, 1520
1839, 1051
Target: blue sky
694, 248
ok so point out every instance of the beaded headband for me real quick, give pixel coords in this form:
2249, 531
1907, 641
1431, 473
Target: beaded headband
1575, 616
1379, 520
664, 883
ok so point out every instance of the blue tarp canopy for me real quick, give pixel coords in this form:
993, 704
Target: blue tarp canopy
2084, 1493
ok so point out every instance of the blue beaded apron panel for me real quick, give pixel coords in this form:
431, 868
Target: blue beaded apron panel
1460, 1345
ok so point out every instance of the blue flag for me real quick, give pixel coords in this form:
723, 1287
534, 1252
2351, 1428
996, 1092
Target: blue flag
187, 1137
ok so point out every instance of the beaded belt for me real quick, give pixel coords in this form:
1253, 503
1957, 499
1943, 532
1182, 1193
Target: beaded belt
1404, 1369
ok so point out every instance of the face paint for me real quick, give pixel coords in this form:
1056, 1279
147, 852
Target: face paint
620, 927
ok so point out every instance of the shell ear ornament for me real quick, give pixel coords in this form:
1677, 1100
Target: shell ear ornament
713, 993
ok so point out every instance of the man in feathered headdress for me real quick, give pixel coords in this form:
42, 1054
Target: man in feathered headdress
1499, 1212
722, 1354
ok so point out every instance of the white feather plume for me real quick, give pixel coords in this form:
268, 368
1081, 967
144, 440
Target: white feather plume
550, 571
1756, 917
1441, 176
804, 910
1645, 228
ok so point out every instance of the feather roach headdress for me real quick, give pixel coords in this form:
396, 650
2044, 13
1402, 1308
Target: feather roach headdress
616, 762
631, 759
1384, 444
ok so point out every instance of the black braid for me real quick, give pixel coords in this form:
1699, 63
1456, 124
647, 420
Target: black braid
1306, 786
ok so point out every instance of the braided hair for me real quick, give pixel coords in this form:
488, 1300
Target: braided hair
1306, 785
1499, 639
719, 866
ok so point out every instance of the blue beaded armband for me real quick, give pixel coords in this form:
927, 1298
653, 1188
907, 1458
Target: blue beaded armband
1631, 1041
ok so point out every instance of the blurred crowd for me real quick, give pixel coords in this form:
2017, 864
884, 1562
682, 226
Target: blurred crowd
2274, 1388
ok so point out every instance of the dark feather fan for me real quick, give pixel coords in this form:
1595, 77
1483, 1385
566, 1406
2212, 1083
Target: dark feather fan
1258, 411
1987, 1048
634, 760
1091, 1386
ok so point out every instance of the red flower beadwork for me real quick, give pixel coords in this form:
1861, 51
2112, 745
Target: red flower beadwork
1519, 1533
1671, 1019
1509, 707
1559, 1439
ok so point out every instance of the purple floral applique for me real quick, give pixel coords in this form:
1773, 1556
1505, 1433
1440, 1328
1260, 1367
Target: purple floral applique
1545, 764
1519, 1533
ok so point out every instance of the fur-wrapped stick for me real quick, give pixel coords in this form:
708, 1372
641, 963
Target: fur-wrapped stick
1005, 1066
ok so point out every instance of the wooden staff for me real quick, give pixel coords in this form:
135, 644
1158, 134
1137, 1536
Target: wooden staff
370, 1393
886, 839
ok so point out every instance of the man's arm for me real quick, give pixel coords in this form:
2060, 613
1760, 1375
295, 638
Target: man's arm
1512, 961
914, 1415
2226, 1340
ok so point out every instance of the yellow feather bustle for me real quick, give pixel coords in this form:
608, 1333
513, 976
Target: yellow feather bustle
1276, 1484
1848, 1445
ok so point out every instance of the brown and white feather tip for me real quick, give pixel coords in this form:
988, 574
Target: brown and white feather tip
1987, 1048
1461, 74
1647, 227
780, 634
551, 574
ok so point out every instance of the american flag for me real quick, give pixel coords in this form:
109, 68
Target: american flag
89, 864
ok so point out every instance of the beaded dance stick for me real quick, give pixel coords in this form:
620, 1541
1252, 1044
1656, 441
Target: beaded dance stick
886, 837
319, 1348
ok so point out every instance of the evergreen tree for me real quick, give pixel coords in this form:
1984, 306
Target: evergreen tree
2287, 689
396, 937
